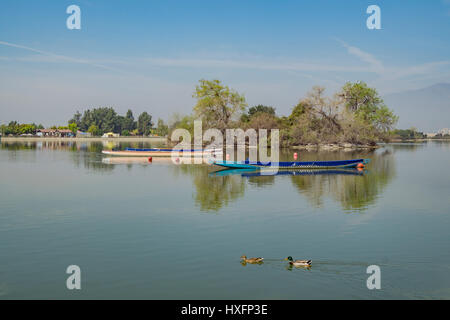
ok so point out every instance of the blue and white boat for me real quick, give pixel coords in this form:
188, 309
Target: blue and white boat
355, 163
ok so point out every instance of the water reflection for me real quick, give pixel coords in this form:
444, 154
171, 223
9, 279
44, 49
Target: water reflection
212, 194
353, 190
70, 145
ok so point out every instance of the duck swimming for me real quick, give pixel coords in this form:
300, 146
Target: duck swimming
251, 260
298, 263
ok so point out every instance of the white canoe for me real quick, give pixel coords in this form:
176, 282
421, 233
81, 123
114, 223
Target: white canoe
162, 153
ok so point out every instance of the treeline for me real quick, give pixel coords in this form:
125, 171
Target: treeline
14, 128
414, 134
102, 120
97, 121
408, 134
356, 115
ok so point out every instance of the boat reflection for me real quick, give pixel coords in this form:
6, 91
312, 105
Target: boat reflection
350, 189
269, 172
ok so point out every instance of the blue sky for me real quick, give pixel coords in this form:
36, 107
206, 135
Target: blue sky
148, 55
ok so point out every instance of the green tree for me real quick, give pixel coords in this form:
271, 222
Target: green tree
128, 122
27, 129
407, 134
144, 124
13, 128
129, 114
162, 129
181, 121
297, 111
106, 119
94, 130
217, 104
76, 119
261, 109
256, 110
73, 127
368, 106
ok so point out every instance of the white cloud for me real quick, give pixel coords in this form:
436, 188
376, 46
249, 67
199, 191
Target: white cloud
165, 84
261, 64
375, 64
52, 57
395, 78
303, 68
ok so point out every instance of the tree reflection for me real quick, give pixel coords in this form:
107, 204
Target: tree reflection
354, 193
261, 181
213, 193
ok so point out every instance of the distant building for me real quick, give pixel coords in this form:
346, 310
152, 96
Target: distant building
431, 135
111, 135
81, 134
444, 132
55, 133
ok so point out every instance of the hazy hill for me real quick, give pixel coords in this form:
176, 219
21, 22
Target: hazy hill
427, 109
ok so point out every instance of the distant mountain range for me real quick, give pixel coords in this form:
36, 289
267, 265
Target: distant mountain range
427, 109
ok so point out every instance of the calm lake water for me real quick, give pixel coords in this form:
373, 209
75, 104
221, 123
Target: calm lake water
161, 231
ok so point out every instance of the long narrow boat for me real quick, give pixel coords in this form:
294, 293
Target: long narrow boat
146, 161
155, 152
292, 165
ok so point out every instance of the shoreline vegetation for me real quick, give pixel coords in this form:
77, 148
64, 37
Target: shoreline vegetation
165, 140
89, 139
355, 117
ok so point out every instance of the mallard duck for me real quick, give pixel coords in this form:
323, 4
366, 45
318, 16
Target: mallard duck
251, 260
298, 263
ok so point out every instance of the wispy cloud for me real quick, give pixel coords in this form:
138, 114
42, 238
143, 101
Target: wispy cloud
53, 57
422, 69
375, 64
262, 64
389, 76
385, 76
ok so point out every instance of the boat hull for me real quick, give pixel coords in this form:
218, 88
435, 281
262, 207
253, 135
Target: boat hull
146, 161
269, 172
161, 153
342, 164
